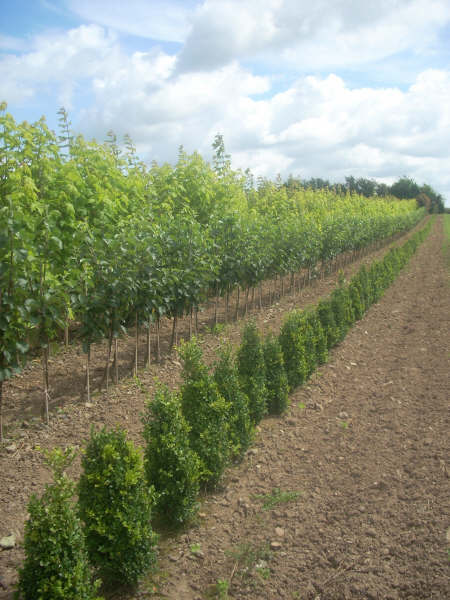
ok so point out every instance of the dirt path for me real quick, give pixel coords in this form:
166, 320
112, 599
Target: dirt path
366, 454
369, 457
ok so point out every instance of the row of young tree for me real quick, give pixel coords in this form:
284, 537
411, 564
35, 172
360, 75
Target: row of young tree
405, 188
190, 438
91, 236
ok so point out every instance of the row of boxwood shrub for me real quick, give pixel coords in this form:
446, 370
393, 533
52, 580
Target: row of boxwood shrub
190, 437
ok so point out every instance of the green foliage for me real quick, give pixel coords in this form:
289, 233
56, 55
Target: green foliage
171, 467
325, 315
276, 497
276, 378
227, 379
293, 345
343, 310
357, 299
207, 414
251, 368
315, 339
115, 506
56, 565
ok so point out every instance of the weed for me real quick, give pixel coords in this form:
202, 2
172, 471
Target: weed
222, 587
248, 557
276, 497
344, 424
301, 405
195, 548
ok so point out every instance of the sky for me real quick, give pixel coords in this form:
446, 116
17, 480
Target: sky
329, 88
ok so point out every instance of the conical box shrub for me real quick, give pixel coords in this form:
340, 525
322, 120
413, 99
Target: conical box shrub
56, 565
115, 506
171, 466
227, 379
251, 368
276, 378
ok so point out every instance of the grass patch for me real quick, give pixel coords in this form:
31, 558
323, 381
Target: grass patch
276, 497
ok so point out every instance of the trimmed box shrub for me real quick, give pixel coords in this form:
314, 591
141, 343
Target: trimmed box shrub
56, 565
115, 506
276, 378
207, 414
227, 379
293, 344
251, 368
171, 466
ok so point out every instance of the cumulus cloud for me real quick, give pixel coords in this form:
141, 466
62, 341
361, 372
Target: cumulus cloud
159, 19
310, 36
59, 59
318, 126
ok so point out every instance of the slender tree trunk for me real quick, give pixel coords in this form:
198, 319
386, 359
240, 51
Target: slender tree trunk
253, 297
236, 314
116, 360
216, 306
158, 345
174, 333
246, 301
190, 322
227, 304
196, 319
260, 296
88, 373
1, 411
136, 345
66, 335
148, 357
108, 360
46, 391
282, 286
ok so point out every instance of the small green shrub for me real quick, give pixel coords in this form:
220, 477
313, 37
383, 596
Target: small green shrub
115, 506
293, 345
315, 340
325, 315
171, 466
207, 414
252, 376
56, 565
343, 310
356, 293
227, 379
276, 378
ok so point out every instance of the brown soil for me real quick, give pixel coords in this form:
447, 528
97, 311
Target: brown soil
364, 446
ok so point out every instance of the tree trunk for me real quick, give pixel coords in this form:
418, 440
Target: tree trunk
246, 301
158, 346
136, 345
196, 320
147, 358
227, 304
45, 374
215, 308
253, 297
174, 333
108, 360
116, 360
260, 296
88, 373
236, 314
190, 322
1, 411
66, 335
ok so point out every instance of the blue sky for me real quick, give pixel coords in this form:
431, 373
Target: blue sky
327, 89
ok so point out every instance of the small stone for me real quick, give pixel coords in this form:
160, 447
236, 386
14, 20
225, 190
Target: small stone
11, 449
371, 532
88, 404
253, 451
275, 545
8, 542
343, 415
202, 515
279, 531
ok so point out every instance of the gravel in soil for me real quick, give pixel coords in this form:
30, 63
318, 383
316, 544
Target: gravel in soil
346, 496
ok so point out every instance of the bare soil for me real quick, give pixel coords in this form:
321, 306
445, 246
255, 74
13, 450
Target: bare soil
357, 471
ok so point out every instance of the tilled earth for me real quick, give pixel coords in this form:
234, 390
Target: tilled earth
346, 496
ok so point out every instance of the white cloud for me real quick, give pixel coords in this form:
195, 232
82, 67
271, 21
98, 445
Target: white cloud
310, 36
159, 19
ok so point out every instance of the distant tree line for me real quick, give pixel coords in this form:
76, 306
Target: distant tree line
403, 188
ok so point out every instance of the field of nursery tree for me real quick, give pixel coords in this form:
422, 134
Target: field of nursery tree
92, 237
